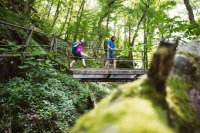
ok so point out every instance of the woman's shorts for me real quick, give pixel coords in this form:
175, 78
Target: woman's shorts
77, 56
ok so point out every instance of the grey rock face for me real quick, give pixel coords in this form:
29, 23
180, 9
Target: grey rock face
191, 47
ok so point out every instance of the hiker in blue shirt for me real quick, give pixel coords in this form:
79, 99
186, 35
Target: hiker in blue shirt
77, 55
110, 52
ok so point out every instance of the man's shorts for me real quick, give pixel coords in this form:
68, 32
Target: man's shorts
111, 56
77, 56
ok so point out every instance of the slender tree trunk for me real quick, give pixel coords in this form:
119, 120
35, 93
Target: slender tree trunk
107, 23
190, 12
49, 11
129, 32
68, 23
11, 5
66, 18
106, 12
130, 56
100, 34
28, 6
56, 13
194, 28
46, 8
145, 58
125, 38
79, 17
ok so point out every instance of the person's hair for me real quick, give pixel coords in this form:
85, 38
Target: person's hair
112, 37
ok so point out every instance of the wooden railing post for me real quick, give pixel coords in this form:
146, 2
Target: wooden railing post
108, 57
68, 57
55, 45
133, 64
52, 42
29, 37
143, 63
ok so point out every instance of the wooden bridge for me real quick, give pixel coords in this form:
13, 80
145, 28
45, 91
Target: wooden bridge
107, 75
84, 74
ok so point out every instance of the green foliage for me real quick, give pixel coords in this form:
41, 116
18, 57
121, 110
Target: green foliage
44, 101
14, 18
99, 90
36, 49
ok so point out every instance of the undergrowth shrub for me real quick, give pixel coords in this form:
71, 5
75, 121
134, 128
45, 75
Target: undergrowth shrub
44, 100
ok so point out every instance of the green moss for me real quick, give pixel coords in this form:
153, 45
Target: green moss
136, 107
183, 113
124, 116
125, 111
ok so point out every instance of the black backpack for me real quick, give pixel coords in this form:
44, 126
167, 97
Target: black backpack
73, 48
105, 45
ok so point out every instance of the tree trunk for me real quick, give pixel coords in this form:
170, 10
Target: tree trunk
67, 34
49, 11
129, 33
130, 56
194, 28
66, 18
28, 6
125, 38
190, 13
79, 17
105, 14
46, 8
56, 14
145, 58
107, 23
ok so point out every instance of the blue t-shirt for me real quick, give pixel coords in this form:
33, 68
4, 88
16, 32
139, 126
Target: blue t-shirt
111, 44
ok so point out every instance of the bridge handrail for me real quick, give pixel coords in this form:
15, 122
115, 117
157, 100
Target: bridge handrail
25, 28
28, 38
54, 41
118, 59
108, 50
13, 25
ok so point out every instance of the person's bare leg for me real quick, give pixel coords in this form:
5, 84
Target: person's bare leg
72, 63
83, 61
107, 64
114, 64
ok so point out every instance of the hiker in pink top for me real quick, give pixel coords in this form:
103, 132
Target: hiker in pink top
80, 46
77, 49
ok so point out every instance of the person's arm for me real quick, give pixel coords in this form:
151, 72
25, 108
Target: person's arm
76, 45
108, 46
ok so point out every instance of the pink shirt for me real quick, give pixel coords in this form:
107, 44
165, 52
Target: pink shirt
79, 48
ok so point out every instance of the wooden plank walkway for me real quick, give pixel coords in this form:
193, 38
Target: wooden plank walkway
104, 71
107, 75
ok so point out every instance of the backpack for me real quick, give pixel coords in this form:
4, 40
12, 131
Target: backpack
73, 48
105, 45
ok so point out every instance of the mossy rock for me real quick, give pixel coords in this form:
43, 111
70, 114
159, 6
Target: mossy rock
124, 111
